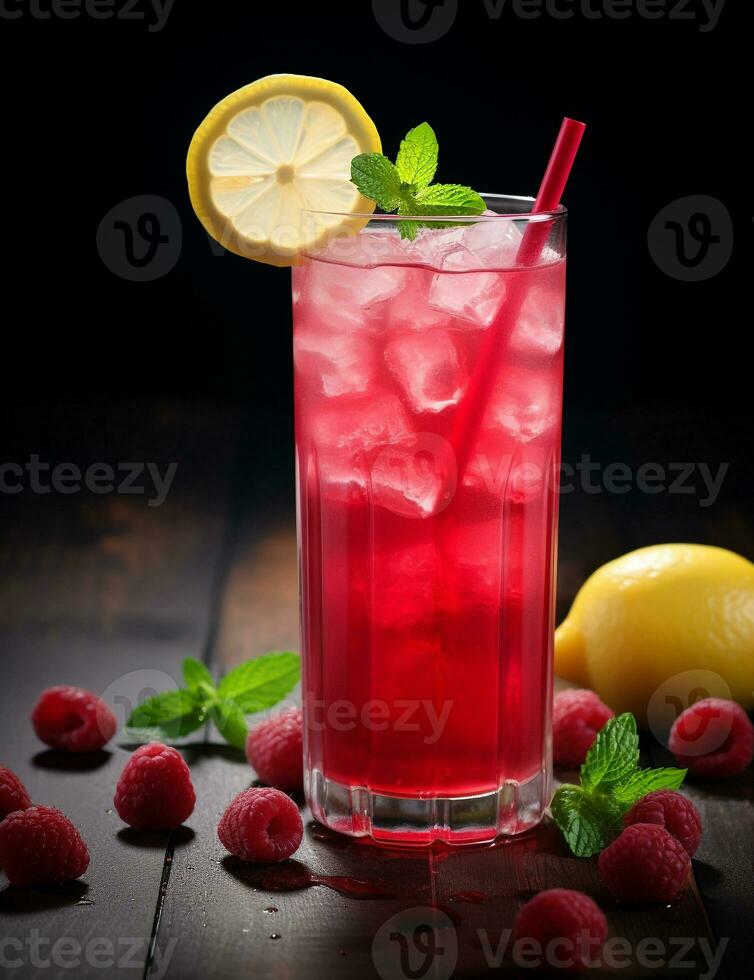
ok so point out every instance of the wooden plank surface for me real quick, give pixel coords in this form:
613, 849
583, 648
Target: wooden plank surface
108, 593
111, 594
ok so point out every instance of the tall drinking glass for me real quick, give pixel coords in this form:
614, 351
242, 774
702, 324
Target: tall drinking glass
428, 384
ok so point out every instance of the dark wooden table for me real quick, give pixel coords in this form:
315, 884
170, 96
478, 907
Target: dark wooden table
109, 593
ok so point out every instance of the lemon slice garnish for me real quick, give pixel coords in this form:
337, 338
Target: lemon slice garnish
271, 151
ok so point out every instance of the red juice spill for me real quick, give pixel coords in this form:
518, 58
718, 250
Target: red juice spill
290, 876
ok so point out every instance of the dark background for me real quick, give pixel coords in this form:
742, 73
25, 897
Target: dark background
95, 112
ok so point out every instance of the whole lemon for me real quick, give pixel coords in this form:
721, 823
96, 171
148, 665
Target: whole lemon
660, 627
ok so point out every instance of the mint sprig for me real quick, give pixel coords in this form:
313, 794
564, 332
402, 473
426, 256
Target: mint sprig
253, 686
406, 185
611, 782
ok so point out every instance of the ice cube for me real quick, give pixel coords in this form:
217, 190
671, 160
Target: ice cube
416, 477
329, 284
429, 369
378, 246
360, 423
494, 242
333, 362
475, 297
539, 335
526, 404
436, 247
431, 247
490, 244
539, 328
409, 309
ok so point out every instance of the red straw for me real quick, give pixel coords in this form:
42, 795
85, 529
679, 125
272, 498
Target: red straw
532, 243
559, 167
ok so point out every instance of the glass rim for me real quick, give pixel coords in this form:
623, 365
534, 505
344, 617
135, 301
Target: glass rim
533, 217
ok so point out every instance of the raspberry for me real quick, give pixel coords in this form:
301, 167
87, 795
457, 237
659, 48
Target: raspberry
568, 925
713, 738
73, 719
644, 864
275, 751
261, 825
40, 846
13, 795
577, 716
672, 811
154, 791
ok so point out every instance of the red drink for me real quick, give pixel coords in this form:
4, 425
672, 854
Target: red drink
427, 566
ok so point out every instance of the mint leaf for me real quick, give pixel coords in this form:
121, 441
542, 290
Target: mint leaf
377, 178
262, 682
406, 186
645, 781
611, 781
416, 162
587, 822
172, 715
198, 678
449, 199
409, 229
228, 718
614, 755
252, 686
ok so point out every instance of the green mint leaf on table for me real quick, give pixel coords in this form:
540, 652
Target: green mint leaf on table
262, 682
647, 781
406, 186
198, 678
250, 687
230, 720
611, 782
614, 754
169, 715
586, 824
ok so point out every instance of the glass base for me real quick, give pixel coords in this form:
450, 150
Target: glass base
513, 808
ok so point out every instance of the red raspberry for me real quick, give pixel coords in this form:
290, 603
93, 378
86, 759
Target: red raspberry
73, 719
644, 864
40, 846
577, 716
275, 750
154, 791
13, 795
672, 811
568, 925
713, 738
261, 825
